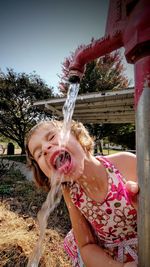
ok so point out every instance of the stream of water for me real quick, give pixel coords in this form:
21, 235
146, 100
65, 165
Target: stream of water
54, 195
68, 109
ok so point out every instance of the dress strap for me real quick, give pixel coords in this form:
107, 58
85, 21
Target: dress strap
111, 168
105, 161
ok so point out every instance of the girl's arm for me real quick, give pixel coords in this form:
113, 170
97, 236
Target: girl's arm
92, 254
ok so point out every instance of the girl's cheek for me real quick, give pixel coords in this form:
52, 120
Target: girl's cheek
42, 165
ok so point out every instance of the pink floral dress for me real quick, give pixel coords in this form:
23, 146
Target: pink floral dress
114, 220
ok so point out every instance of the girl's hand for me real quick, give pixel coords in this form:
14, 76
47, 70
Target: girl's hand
132, 187
133, 190
130, 264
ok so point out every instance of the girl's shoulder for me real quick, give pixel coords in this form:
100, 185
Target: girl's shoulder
125, 162
119, 156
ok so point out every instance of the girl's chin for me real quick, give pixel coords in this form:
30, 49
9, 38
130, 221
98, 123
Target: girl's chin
73, 176
76, 171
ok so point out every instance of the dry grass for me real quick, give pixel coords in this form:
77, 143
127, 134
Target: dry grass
19, 230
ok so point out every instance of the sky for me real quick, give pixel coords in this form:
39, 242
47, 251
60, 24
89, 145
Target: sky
37, 35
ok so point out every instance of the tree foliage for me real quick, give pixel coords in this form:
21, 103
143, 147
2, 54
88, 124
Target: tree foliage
121, 134
17, 95
104, 74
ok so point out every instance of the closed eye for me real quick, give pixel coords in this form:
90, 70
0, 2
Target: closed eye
39, 154
51, 137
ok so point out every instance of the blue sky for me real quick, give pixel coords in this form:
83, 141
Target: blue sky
37, 35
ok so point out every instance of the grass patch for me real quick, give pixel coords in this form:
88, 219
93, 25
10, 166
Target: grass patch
20, 202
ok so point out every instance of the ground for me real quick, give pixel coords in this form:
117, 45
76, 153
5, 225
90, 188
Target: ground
20, 202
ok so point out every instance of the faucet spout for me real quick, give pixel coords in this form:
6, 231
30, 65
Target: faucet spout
75, 76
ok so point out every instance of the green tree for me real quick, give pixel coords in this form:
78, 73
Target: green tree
17, 95
121, 134
104, 74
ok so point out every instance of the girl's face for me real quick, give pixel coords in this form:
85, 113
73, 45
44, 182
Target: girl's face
66, 160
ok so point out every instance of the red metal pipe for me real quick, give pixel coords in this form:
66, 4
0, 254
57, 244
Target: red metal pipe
128, 25
95, 50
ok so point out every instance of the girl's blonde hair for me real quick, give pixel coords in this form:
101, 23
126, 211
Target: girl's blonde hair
77, 129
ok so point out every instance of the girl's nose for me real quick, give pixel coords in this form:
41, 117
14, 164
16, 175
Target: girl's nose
46, 148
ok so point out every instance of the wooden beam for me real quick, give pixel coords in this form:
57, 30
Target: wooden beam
54, 110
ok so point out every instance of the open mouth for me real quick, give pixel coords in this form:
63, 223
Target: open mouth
61, 161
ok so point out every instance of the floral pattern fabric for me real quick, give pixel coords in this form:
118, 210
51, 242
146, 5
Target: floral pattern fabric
114, 220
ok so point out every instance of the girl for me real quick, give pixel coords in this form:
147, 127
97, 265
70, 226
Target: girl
95, 189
